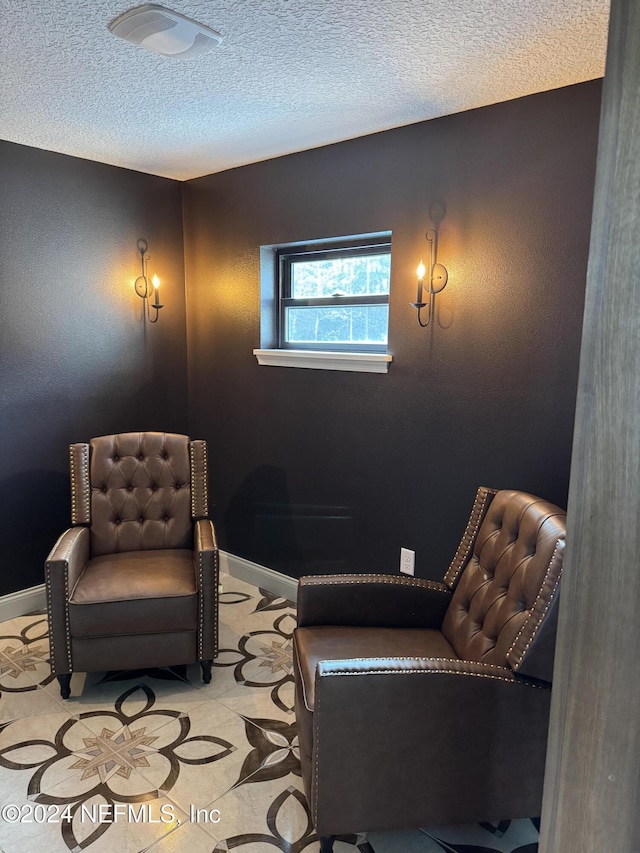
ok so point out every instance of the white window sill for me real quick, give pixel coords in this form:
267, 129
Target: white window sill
359, 362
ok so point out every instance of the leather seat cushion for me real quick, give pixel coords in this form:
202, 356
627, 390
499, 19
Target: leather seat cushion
315, 644
137, 592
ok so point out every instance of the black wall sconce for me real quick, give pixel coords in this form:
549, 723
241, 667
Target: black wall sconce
143, 288
437, 277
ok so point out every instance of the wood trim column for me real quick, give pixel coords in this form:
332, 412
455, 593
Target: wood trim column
592, 786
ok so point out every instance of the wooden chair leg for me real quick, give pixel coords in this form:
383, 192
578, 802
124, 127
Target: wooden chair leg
206, 670
65, 685
326, 844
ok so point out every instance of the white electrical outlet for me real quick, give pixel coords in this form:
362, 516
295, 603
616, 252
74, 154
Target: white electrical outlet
407, 561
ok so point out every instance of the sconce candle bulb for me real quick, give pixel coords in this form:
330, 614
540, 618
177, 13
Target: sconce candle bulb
437, 280
142, 286
420, 272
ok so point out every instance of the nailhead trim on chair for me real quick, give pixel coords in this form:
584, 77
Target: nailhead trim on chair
205, 497
216, 605
321, 580
66, 616
201, 597
73, 485
201, 591
504, 669
532, 611
65, 559
80, 514
469, 537
87, 492
195, 490
50, 617
192, 465
66, 598
432, 672
49, 596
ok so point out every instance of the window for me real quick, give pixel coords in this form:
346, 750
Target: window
324, 304
334, 296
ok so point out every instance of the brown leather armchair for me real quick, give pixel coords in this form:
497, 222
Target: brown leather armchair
134, 582
422, 703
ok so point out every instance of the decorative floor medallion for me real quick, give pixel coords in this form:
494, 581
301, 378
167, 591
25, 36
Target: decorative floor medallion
24, 655
263, 659
114, 752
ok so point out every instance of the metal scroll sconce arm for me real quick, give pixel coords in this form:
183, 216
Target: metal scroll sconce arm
437, 277
142, 286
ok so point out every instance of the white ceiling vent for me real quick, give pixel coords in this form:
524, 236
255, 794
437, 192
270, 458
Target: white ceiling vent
165, 32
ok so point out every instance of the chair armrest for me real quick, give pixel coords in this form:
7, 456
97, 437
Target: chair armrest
420, 666
371, 601
205, 553
63, 567
204, 536
456, 739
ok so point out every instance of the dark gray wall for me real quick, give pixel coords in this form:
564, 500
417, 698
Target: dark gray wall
314, 471
76, 360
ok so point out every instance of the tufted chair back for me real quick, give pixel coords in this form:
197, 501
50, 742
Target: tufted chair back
138, 491
503, 609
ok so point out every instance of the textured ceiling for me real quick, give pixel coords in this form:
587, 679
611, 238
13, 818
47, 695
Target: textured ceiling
289, 75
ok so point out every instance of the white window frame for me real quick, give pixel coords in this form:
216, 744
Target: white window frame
275, 271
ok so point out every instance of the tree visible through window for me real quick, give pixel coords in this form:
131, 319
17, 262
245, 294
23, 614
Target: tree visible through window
335, 298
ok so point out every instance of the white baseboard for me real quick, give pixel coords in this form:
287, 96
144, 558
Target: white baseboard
27, 600
22, 602
257, 575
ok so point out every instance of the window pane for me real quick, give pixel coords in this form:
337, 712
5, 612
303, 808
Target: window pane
351, 324
351, 276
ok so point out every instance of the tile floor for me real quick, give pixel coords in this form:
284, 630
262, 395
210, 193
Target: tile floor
129, 756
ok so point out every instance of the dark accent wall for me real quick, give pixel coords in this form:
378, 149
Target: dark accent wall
316, 471
76, 358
